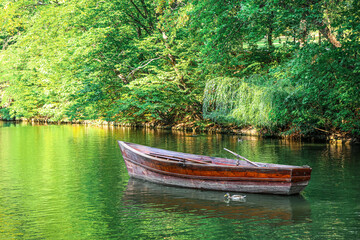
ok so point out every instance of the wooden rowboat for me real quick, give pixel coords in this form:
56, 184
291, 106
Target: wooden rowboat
213, 173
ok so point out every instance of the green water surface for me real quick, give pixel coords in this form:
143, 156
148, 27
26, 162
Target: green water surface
70, 182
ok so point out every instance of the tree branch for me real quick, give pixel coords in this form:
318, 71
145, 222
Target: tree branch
136, 7
142, 66
6, 42
138, 22
150, 19
39, 3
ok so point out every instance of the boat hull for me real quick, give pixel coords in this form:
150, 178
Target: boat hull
284, 181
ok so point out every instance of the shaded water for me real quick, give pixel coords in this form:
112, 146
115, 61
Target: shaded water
70, 182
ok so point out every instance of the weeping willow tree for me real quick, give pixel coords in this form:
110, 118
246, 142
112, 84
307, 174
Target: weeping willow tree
234, 100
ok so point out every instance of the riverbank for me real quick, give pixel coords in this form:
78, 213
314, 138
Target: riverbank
197, 127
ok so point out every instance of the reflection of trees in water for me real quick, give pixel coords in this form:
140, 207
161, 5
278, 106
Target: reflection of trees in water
341, 152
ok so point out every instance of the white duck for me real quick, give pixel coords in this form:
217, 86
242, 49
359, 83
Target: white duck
234, 197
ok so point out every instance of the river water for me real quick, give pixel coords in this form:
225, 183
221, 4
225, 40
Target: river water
70, 182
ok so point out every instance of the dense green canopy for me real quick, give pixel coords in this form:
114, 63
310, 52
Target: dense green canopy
280, 65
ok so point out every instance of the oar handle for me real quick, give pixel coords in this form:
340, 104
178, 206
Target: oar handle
237, 155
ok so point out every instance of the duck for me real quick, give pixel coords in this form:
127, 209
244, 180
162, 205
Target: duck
235, 197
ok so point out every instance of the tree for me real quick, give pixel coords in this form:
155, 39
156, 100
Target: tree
150, 61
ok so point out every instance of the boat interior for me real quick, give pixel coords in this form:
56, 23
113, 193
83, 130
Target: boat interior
197, 159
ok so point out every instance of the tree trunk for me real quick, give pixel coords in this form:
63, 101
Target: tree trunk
172, 61
269, 38
303, 32
325, 29
271, 29
326, 32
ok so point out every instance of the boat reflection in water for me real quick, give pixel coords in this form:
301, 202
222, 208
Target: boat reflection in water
283, 209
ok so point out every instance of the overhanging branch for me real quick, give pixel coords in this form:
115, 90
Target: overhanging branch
142, 66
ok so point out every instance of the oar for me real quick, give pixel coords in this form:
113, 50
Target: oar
237, 155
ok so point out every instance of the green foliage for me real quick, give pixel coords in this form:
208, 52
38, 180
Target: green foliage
302, 86
232, 100
319, 89
150, 98
251, 62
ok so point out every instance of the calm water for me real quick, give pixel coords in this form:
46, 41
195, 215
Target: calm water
70, 182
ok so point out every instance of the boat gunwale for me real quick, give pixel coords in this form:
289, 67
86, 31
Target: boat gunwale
126, 145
